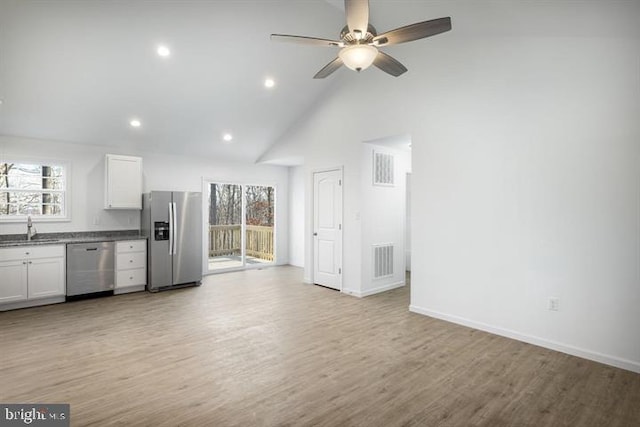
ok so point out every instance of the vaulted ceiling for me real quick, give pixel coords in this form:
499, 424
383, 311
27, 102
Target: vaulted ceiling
79, 71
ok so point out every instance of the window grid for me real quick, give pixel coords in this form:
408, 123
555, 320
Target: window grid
32, 189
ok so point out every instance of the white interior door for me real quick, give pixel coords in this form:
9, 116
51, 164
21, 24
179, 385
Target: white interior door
327, 228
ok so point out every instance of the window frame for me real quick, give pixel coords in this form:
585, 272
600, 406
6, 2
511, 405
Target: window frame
65, 191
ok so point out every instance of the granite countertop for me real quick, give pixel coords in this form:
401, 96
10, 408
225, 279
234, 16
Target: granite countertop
10, 240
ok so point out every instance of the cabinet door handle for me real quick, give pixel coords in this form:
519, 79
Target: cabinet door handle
24, 262
26, 253
30, 262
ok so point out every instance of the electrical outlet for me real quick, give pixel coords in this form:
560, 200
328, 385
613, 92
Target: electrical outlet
554, 304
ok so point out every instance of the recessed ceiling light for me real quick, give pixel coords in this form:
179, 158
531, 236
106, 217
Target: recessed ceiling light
163, 51
135, 123
269, 82
227, 137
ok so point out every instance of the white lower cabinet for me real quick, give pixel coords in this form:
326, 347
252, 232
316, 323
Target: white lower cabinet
46, 277
14, 281
31, 275
131, 266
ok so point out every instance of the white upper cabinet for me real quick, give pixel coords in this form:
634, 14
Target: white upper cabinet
123, 182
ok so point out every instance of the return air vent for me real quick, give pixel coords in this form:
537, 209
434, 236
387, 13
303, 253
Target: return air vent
383, 169
382, 260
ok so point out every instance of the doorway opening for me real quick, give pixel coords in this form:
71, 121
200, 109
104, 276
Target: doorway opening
241, 226
386, 202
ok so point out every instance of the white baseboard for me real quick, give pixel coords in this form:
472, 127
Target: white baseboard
618, 362
374, 290
306, 280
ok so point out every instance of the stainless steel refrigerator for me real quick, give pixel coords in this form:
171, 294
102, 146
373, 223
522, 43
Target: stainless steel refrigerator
172, 221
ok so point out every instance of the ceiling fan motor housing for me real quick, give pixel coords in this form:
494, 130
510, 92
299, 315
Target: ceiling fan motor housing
350, 38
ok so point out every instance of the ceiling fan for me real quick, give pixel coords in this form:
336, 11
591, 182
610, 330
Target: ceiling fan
359, 41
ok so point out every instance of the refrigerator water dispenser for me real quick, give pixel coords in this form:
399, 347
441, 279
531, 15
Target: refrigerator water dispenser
161, 230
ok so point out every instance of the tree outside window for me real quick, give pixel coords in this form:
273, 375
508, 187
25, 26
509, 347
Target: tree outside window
32, 189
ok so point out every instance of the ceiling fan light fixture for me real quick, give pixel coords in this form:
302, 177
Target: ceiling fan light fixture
358, 57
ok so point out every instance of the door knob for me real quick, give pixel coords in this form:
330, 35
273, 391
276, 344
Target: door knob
315, 234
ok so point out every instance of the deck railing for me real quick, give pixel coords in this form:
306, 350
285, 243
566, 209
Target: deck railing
226, 240
259, 242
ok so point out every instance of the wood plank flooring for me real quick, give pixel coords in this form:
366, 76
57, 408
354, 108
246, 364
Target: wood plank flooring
259, 348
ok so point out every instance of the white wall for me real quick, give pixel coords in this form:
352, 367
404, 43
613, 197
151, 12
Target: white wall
526, 169
296, 216
327, 152
160, 172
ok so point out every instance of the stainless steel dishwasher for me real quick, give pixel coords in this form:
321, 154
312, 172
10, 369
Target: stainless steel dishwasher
90, 268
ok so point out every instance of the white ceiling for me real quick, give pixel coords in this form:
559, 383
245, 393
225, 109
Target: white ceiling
78, 71
396, 142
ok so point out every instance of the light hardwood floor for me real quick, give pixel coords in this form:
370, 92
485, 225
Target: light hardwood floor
261, 348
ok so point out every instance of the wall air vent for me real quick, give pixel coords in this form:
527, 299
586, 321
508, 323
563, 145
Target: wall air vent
382, 260
383, 172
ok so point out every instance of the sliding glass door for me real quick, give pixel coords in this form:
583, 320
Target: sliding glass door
225, 226
259, 209
241, 225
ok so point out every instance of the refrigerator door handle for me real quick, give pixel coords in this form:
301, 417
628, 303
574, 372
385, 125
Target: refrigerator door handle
170, 228
174, 226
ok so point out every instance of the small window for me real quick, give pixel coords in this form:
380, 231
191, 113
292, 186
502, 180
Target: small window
39, 190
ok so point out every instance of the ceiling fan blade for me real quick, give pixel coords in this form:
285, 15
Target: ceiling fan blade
357, 15
389, 65
328, 69
306, 40
412, 32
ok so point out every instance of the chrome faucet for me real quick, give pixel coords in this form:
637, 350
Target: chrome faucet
30, 231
